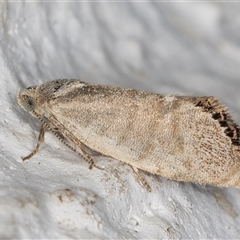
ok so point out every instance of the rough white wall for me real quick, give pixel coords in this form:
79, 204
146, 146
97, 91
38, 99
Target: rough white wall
182, 48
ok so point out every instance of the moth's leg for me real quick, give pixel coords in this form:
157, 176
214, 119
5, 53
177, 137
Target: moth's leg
87, 157
142, 180
66, 140
91, 152
40, 141
85, 154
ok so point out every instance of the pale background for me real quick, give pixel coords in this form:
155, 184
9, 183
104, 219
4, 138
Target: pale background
179, 48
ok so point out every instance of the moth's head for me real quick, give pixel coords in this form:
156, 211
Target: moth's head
36, 100
28, 100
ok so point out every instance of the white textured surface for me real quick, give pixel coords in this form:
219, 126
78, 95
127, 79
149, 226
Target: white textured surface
183, 48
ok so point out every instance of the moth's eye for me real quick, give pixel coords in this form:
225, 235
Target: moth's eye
30, 101
29, 104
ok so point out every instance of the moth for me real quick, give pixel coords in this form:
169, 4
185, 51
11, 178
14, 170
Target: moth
183, 138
